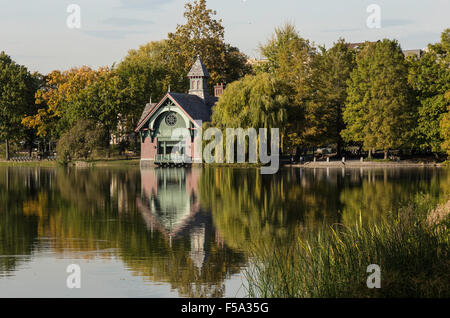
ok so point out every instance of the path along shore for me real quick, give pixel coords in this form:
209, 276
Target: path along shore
363, 164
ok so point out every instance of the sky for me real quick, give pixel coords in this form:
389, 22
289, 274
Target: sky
35, 32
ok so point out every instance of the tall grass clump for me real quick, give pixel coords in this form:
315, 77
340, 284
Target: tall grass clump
411, 247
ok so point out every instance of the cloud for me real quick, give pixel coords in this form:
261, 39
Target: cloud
112, 34
125, 22
143, 4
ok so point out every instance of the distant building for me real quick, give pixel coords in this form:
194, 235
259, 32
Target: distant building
184, 112
417, 53
256, 62
355, 46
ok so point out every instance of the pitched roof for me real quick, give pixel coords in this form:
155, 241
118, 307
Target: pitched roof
198, 69
148, 108
193, 105
354, 46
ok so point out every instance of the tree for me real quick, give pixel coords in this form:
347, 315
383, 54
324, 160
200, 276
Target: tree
202, 35
327, 94
30, 133
253, 102
100, 102
38, 121
289, 58
15, 98
143, 73
378, 112
80, 141
56, 101
445, 126
430, 78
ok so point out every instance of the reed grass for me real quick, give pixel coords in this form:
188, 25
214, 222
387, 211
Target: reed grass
413, 254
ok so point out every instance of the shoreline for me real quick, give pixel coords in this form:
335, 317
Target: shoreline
308, 165
365, 164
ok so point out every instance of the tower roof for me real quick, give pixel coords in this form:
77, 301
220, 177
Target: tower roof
198, 69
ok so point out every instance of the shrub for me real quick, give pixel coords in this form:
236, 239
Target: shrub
80, 141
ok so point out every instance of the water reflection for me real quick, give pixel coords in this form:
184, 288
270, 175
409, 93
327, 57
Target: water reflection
196, 258
186, 228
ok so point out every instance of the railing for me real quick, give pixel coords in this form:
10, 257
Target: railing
39, 158
172, 159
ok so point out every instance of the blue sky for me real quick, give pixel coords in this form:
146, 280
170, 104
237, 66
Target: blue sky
35, 33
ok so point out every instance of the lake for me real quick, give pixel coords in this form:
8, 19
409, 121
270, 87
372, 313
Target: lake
176, 232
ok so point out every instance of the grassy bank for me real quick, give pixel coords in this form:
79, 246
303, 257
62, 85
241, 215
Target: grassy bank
114, 163
28, 163
411, 247
89, 163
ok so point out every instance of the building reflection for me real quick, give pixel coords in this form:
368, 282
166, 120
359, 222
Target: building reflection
169, 200
170, 207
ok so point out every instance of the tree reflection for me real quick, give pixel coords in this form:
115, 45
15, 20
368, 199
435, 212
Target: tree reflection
189, 227
250, 209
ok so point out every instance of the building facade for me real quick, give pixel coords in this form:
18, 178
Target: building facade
168, 130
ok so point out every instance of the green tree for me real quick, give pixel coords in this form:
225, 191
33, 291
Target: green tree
15, 98
143, 74
255, 101
379, 112
101, 102
445, 127
80, 141
328, 94
30, 133
202, 35
289, 61
430, 78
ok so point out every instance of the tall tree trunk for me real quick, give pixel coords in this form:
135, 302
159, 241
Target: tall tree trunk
339, 148
7, 150
386, 154
370, 154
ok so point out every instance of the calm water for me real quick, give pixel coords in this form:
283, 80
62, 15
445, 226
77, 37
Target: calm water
175, 232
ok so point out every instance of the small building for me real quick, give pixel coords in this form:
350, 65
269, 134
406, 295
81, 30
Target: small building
414, 53
168, 129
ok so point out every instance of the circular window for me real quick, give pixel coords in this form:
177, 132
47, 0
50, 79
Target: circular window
171, 119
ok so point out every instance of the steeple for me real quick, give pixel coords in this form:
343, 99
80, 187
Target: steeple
198, 77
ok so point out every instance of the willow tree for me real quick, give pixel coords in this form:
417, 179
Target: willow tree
253, 102
202, 35
379, 111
